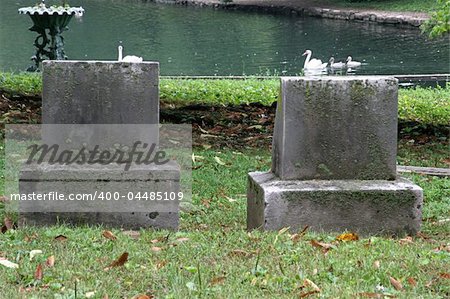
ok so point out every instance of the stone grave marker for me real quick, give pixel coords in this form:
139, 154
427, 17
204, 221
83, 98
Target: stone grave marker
334, 160
91, 98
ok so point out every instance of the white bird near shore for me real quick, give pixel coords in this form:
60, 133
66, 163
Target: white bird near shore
313, 64
336, 65
351, 63
128, 58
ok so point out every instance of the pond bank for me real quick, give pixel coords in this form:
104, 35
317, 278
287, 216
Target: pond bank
314, 9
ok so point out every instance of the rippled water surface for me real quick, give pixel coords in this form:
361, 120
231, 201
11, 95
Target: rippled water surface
204, 41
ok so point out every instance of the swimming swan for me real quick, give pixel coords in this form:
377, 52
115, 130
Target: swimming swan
351, 63
336, 65
128, 58
312, 63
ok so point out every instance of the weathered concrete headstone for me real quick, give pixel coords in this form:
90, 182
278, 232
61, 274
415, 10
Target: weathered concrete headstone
334, 160
108, 94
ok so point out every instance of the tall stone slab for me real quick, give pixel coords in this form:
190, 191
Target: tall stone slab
334, 160
109, 94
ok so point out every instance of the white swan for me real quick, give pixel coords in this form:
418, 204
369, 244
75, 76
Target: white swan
351, 63
128, 58
312, 63
336, 65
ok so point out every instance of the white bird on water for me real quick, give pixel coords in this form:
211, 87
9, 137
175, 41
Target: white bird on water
336, 65
351, 63
128, 58
313, 64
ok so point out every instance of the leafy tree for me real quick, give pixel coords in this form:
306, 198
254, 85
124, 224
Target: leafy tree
439, 23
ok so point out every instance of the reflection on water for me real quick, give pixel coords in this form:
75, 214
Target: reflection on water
204, 41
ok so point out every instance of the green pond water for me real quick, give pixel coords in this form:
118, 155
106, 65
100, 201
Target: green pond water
204, 41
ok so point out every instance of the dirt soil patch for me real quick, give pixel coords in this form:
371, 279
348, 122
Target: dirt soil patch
238, 127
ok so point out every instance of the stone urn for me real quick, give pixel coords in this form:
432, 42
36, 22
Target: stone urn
49, 22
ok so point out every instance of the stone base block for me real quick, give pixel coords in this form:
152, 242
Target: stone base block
365, 207
143, 196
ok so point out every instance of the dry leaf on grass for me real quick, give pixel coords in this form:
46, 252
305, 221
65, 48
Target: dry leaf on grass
119, 262
321, 244
60, 238
33, 253
374, 295
240, 253
161, 265
9, 224
395, 283
307, 294
376, 264
219, 161
156, 249
143, 296
407, 240
444, 275
109, 235
50, 262
348, 237
132, 234
3, 199
442, 248
412, 282
183, 239
311, 284
38, 273
217, 280
8, 264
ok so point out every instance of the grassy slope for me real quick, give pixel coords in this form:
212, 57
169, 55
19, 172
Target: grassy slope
428, 106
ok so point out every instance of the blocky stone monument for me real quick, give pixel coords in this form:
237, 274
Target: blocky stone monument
334, 160
107, 93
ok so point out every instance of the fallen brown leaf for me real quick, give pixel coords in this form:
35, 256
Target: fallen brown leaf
61, 238
218, 280
444, 275
132, 234
119, 262
50, 261
412, 282
109, 235
8, 264
321, 244
307, 294
348, 237
376, 264
442, 248
239, 252
156, 249
3, 199
311, 284
38, 273
375, 295
182, 239
161, 265
143, 296
9, 224
407, 240
446, 161
395, 283
105, 296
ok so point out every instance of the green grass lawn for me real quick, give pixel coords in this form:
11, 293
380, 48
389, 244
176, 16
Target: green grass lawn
213, 256
392, 5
